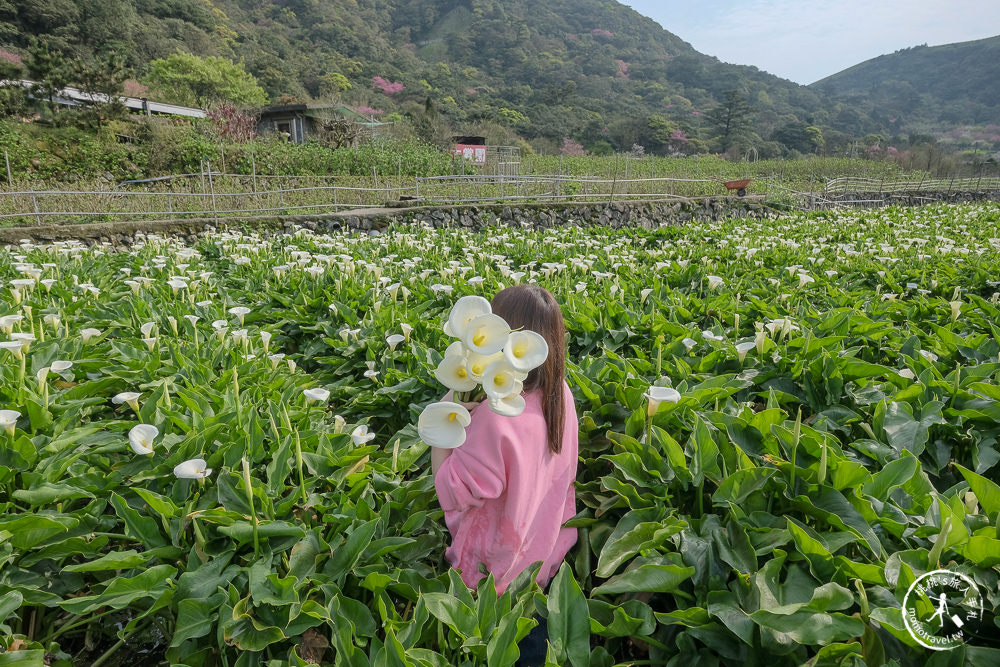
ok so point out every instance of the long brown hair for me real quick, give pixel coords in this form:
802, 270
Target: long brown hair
534, 308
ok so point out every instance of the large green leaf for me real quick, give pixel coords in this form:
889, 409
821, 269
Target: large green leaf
122, 591
808, 627
907, 432
648, 578
987, 491
452, 612
568, 620
114, 560
195, 618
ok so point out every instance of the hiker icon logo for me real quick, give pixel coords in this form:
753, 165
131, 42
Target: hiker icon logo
940, 608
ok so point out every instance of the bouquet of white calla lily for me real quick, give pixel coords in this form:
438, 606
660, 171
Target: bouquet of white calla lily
525, 350
442, 424
452, 373
487, 334
141, 438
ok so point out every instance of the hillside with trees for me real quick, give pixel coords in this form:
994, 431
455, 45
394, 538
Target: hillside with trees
926, 87
558, 75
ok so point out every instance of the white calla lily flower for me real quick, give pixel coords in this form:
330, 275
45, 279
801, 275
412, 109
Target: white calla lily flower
478, 363
442, 424
465, 310
141, 438
240, 312
316, 394
41, 376
487, 334
743, 348
14, 347
7, 322
192, 469
8, 418
130, 397
509, 406
657, 395
499, 380
525, 350
360, 435
456, 349
392, 340
452, 373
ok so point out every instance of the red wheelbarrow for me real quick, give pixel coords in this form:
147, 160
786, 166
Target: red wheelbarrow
740, 186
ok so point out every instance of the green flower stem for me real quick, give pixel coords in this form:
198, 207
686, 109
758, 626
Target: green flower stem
298, 463
20, 376
796, 435
253, 512
199, 537
651, 642
121, 642
72, 624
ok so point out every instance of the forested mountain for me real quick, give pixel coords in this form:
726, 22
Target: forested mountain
593, 72
924, 87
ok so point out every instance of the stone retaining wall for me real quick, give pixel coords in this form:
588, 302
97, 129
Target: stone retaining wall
915, 197
616, 215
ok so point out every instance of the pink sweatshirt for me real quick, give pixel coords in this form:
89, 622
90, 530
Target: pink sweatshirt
505, 496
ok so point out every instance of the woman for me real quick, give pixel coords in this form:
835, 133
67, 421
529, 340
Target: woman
509, 488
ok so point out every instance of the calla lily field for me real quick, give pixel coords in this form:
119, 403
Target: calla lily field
211, 451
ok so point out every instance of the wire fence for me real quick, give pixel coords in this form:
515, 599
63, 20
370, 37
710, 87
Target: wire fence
216, 195
478, 188
212, 194
855, 184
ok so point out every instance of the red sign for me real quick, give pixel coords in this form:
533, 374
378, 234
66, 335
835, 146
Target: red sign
471, 152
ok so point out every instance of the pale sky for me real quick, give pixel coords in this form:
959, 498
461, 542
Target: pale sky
807, 40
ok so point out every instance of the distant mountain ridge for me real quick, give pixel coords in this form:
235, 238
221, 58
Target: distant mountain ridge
924, 86
594, 71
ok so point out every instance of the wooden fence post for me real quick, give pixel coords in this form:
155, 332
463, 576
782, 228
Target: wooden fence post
253, 168
34, 204
211, 185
